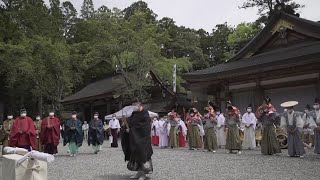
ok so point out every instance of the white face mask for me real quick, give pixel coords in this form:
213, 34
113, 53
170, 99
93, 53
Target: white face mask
96, 117
74, 116
51, 114
37, 118
316, 107
249, 110
218, 113
290, 111
10, 117
23, 114
113, 118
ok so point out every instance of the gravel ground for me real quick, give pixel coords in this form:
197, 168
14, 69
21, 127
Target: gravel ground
176, 164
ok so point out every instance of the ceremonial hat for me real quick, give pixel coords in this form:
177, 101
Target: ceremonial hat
267, 99
74, 112
23, 110
289, 104
317, 100
206, 109
308, 107
229, 102
96, 113
250, 106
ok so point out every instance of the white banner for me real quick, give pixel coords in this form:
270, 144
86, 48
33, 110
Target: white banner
174, 78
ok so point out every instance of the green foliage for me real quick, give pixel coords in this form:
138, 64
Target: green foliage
49, 53
266, 8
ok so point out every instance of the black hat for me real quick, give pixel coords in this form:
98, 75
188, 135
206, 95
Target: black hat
191, 110
206, 110
250, 106
317, 100
229, 102
267, 99
96, 113
230, 108
23, 110
74, 112
308, 107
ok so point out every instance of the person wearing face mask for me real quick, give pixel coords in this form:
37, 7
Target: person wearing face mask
308, 133
221, 131
37, 125
293, 122
315, 115
233, 137
155, 132
114, 126
73, 134
96, 133
138, 143
23, 132
268, 117
173, 127
85, 129
194, 121
163, 133
6, 129
249, 124
50, 133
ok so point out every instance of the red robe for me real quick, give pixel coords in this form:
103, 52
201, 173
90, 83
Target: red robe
182, 140
23, 133
50, 131
155, 138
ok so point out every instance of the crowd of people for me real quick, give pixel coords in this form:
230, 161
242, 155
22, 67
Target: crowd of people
235, 132
212, 130
45, 134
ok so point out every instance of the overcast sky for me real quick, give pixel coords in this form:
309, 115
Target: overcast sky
203, 13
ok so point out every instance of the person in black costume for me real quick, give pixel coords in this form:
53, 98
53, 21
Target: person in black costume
136, 142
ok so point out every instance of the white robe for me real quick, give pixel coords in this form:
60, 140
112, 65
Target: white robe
249, 140
163, 134
184, 128
221, 134
154, 126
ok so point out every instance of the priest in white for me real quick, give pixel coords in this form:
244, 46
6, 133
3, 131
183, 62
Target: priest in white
249, 124
163, 133
221, 131
155, 132
293, 123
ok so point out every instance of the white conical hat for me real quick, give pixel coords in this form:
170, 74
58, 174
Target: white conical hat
289, 104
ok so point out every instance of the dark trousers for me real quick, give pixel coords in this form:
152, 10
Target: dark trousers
50, 149
114, 134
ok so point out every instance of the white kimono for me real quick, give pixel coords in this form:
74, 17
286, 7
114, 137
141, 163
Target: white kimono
154, 126
249, 140
184, 128
221, 134
163, 133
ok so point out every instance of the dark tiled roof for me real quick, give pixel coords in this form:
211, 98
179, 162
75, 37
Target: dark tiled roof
238, 61
97, 88
261, 59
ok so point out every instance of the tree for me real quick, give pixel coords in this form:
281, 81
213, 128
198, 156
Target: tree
56, 18
220, 44
87, 9
140, 6
242, 34
69, 19
266, 8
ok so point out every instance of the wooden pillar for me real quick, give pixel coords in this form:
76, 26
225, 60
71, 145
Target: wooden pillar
318, 85
225, 96
259, 94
